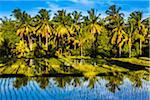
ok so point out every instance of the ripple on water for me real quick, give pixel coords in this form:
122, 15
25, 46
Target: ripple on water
77, 88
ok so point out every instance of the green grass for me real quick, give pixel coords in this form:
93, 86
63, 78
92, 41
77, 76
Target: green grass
145, 58
87, 69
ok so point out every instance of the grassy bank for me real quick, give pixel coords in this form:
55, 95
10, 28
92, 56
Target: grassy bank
69, 66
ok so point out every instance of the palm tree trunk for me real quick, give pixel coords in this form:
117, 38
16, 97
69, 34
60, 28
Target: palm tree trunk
46, 41
30, 62
75, 47
30, 42
130, 46
140, 47
130, 51
120, 49
39, 39
81, 54
81, 51
95, 45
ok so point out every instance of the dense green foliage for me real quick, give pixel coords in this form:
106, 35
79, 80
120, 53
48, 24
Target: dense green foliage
73, 34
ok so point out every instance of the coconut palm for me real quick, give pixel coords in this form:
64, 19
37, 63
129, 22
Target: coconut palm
17, 13
118, 35
76, 26
44, 26
140, 30
24, 25
93, 26
130, 30
116, 24
63, 30
113, 13
76, 17
92, 22
62, 22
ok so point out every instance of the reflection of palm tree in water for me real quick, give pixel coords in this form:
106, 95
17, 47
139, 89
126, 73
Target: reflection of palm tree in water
62, 82
40, 87
138, 83
43, 82
92, 82
136, 79
112, 86
19, 82
114, 82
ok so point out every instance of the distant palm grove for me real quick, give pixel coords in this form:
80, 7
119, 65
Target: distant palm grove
72, 35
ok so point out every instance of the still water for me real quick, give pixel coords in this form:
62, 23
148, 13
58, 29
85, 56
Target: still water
74, 88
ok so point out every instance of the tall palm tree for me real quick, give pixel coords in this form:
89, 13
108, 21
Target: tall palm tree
130, 30
63, 23
118, 35
116, 24
24, 25
140, 30
113, 13
63, 29
17, 13
44, 26
76, 25
76, 17
93, 26
92, 22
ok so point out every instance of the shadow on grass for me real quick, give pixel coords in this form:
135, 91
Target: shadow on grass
11, 75
127, 65
56, 75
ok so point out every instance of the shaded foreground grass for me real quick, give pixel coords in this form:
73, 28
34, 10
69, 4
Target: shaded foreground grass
69, 67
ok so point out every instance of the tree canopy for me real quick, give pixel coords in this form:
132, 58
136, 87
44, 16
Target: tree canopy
74, 34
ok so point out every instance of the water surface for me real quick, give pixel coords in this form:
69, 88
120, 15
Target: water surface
73, 88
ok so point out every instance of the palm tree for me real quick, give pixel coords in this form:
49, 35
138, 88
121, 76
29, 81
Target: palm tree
17, 13
63, 28
93, 26
82, 39
130, 30
116, 24
118, 35
24, 25
44, 26
76, 18
76, 26
92, 22
113, 13
140, 30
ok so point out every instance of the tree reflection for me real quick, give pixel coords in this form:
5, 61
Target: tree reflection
92, 82
113, 81
20, 82
64, 81
137, 77
42, 81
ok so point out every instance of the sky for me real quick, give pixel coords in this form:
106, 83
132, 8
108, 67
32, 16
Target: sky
33, 6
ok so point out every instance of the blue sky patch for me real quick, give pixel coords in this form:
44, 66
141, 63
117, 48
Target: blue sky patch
33, 6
